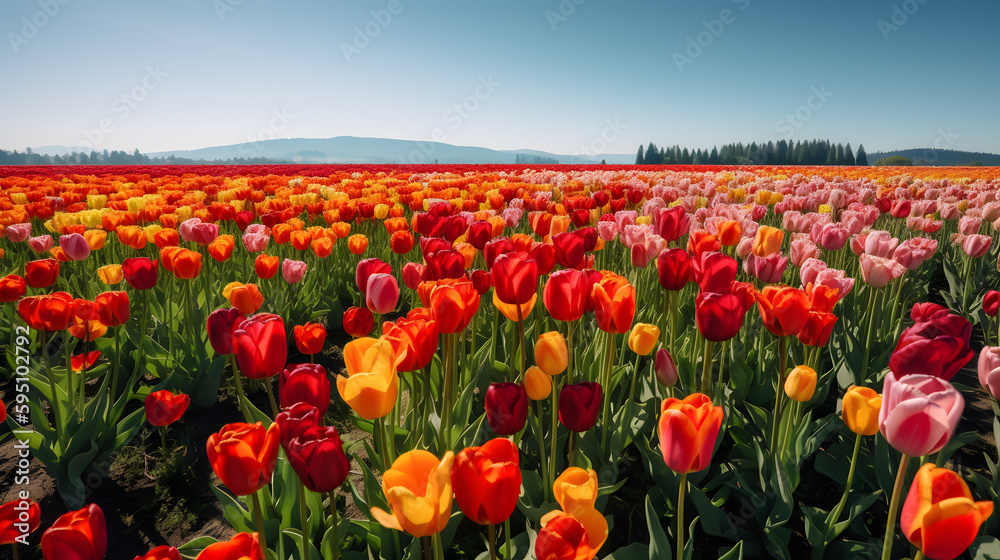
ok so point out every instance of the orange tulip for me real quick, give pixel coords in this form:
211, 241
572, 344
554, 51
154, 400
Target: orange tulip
266, 266
643, 338
576, 489
468, 252
243, 455
301, 240
95, 238
372, 384
418, 489
509, 310
801, 383
245, 297
322, 247
357, 243
282, 233
243, 546
537, 384
551, 353
221, 248
729, 233
453, 301
614, 303
783, 309
768, 241
186, 264
571, 537
309, 338
939, 515
166, 238
860, 410
688, 429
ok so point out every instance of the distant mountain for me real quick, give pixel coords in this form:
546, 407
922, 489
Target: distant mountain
351, 149
932, 156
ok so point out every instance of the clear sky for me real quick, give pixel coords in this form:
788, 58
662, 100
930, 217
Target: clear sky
565, 76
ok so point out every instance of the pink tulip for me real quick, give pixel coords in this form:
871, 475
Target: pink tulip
413, 274
880, 244
768, 270
989, 370
833, 237
793, 221
75, 246
41, 243
801, 250
258, 228
511, 217
382, 293
203, 234
877, 272
640, 257
809, 270
255, 242
923, 224
624, 218
836, 279
293, 271
949, 211
976, 245
17, 233
186, 229
665, 368
858, 243
607, 230
744, 247
969, 225
919, 413
838, 198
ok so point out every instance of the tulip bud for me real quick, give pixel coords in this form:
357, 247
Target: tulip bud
537, 383
506, 408
551, 353
801, 384
643, 338
860, 410
665, 368
579, 405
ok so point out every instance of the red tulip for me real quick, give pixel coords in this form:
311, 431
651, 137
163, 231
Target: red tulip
719, 316
79, 361
112, 308
18, 517
243, 455
566, 293
671, 223
496, 247
515, 278
506, 408
47, 313
783, 309
417, 337
259, 345
161, 553
714, 272
579, 405
446, 263
295, 420
937, 344
77, 535
266, 266
221, 325
164, 407
544, 256
688, 429
307, 383
140, 272
570, 249
12, 288
358, 321
42, 273
939, 515
614, 303
243, 546
382, 293
991, 302
487, 481
454, 303
674, 269
480, 232
317, 456
414, 274
701, 241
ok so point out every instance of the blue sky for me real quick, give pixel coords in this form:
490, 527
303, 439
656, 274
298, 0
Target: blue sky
566, 76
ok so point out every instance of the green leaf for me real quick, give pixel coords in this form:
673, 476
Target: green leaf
734, 553
985, 548
659, 546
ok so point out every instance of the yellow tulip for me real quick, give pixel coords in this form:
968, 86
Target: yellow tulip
576, 490
418, 489
860, 410
643, 338
551, 353
801, 384
537, 384
371, 386
110, 274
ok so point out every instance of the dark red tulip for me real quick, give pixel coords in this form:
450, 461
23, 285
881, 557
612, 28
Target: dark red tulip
358, 322
719, 316
220, 325
937, 344
674, 269
544, 256
140, 272
307, 383
566, 293
295, 420
414, 274
515, 278
448, 263
260, 345
589, 236
454, 226
243, 219
570, 249
579, 406
601, 198
480, 233
431, 245
480, 280
991, 303
506, 408
317, 456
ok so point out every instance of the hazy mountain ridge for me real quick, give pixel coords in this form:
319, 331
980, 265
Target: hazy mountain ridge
933, 156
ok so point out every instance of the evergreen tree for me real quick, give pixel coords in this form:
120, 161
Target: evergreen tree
639, 159
862, 158
848, 155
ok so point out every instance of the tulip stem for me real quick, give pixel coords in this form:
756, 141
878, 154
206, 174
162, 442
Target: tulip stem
681, 487
919, 555
13, 547
606, 385
333, 515
570, 327
835, 514
868, 336
270, 396
542, 460
52, 386
520, 333
890, 526
163, 440
428, 547
114, 366
70, 394
706, 371
796, 412
438, 547
259, 516
554, 434
304, 518
241, 399
968, 281
506, 536
491, 531
779, 403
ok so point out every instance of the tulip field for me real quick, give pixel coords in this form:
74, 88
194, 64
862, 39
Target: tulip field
504, 362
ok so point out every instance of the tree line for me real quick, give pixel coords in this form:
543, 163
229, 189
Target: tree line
782, 152
115, 157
